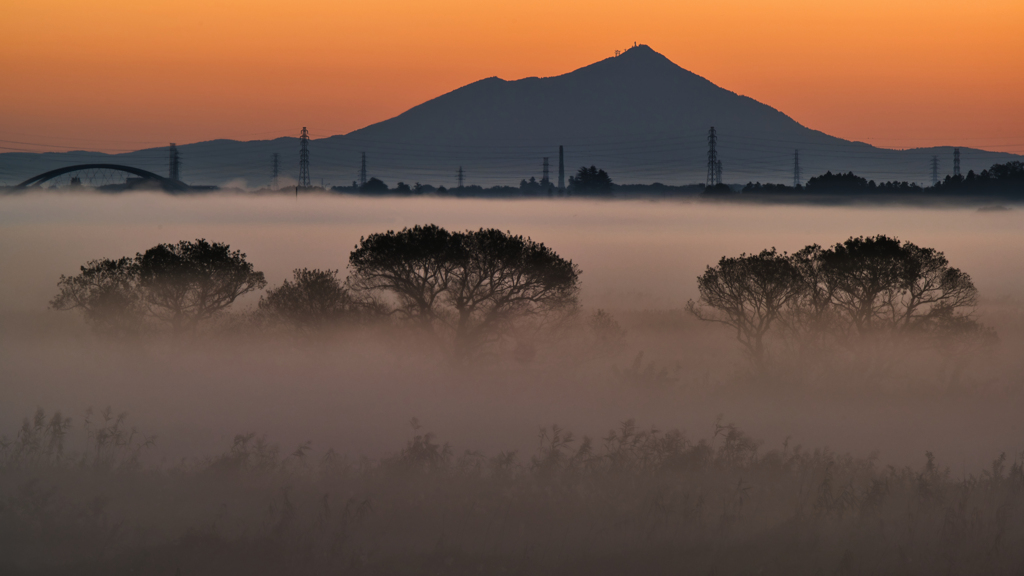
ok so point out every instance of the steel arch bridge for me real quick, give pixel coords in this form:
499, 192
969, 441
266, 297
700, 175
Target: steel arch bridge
163, 182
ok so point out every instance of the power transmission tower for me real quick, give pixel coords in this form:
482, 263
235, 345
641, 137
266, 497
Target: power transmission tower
273, 180
561, 168
796, 169
174, 169
956, 162
304, 159
935, 170
719, 170
712, 158
545, 180
461, 174
362, 171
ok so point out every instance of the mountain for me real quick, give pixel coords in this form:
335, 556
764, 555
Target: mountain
637, 115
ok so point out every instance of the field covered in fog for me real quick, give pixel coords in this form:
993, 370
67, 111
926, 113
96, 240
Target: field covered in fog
302, 445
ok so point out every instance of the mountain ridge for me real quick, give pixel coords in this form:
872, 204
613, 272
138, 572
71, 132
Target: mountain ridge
638, 115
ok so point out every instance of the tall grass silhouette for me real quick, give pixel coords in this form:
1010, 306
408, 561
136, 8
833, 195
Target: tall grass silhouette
78, 499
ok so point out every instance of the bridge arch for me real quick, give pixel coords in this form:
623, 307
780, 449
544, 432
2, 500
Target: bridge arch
164, 182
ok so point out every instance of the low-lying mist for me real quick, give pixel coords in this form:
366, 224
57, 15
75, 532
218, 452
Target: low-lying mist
353, 391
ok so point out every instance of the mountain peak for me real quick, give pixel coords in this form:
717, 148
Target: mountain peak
638, 115
640, 49
639, 63
643, 53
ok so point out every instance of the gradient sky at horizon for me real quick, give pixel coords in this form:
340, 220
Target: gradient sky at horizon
118, 75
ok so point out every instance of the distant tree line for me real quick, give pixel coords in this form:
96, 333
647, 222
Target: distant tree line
586, 181
591, 181
829, 183
999, 180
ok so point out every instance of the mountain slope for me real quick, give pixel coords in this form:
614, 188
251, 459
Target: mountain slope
637, 93
638, 115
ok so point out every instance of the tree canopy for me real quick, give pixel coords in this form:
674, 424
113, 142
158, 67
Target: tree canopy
748, 294
106, 291
471, 287
374, 185
590, 180
311, 300
866, 288
178, 285
999, 179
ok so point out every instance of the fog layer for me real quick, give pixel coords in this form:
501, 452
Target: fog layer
356, 392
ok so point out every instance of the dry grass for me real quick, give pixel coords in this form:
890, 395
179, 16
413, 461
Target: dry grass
637, 501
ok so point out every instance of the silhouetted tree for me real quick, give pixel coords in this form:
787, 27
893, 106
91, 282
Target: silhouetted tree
718, 190
186, 283
767, 188
865, 291
535, 187
810, 318
107, 293
867, 294
590, 180
469, 286
882, 284
749, 294
1000, 179
179, 284
837, 183
374, 185
312, 300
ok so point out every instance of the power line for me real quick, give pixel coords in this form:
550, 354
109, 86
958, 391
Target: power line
712, 158
273, 181
303, 159
173, 171
796, 169
956, 162
935, 170
561, 168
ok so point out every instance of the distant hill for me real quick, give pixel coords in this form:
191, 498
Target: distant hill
638, 115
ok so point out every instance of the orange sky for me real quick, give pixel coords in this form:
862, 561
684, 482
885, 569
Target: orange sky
125, 74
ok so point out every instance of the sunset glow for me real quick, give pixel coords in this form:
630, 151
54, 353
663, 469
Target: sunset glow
117, 75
